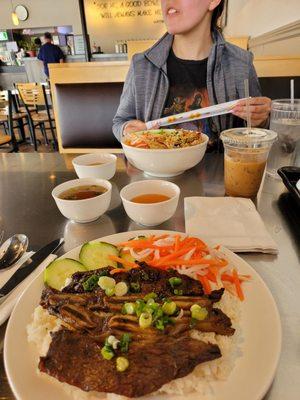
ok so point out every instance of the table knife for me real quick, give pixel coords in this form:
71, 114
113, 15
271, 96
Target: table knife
29, 266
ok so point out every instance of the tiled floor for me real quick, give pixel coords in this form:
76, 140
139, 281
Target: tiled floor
27, 147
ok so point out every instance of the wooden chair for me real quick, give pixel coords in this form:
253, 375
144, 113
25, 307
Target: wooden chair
34, 95
7, 117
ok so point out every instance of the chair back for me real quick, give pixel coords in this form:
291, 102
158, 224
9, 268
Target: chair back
32, 94
4, 102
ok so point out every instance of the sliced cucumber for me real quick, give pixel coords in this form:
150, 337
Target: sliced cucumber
95, 255
58, 271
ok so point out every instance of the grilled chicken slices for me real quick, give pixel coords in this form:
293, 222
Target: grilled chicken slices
156, 356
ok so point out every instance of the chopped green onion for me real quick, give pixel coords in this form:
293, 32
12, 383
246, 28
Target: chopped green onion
139, 307
174, 281
128, 308
107, 352
169, 308
124, 342
149, 296
199, 313
110, 292
106, 282
90, 283
145, 320
112, 341
159, 324
121, 289
122, 364
178, 292
148, 308
135, 287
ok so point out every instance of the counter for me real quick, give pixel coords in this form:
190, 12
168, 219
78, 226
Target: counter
32, 70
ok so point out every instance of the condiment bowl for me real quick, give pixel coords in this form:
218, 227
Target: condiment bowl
165, 162
84, 169
150, 214
86, 210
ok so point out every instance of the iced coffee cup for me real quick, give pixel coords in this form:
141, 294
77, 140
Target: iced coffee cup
245, 157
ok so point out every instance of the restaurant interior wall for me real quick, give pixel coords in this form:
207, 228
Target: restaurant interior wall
134, 20
43, 13
255, 17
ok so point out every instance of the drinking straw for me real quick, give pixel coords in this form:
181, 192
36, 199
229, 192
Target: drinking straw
246, 86
292, 91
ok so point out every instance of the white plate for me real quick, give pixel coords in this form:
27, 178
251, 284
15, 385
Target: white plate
249, 380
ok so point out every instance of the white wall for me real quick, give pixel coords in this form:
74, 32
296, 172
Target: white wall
43, 13
255, 17
106, 25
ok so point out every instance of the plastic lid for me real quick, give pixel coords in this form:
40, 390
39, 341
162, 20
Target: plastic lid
243, 138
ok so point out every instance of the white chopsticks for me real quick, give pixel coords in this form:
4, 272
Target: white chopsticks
200, 113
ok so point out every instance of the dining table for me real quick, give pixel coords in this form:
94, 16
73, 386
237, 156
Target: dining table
26, 206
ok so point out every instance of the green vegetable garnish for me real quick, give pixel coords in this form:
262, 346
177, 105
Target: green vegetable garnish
145, 320
139, 307
178, 292
169, 308
135, 287
124, 342
107, 352
149, 296
174, 281
110, 292
128, 308
106, 282
90, 284
198, 313
122, 364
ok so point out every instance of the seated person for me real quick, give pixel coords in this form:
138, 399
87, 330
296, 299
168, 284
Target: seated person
190, 67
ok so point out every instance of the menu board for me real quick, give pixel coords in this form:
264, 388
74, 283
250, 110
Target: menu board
79, 44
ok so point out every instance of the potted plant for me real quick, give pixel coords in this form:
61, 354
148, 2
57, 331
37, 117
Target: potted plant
32, 49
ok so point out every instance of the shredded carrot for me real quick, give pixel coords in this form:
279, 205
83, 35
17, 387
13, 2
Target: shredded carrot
217, 247
205, 283
177, 243
118, 270
123, 262
196, 261
211, 275
174, 255
238, 286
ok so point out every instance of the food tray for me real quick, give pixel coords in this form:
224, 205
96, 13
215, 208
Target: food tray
290, 177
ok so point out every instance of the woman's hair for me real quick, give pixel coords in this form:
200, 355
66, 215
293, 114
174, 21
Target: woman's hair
216, 16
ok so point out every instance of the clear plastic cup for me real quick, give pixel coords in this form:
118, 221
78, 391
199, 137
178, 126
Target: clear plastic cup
285, 120
245, 157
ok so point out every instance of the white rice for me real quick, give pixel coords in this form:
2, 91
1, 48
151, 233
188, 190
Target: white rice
199, 380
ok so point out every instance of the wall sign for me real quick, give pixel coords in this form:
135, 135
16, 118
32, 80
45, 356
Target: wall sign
128, 9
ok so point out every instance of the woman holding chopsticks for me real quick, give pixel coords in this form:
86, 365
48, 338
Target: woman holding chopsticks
190, 67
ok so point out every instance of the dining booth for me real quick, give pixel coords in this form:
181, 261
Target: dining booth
95, 90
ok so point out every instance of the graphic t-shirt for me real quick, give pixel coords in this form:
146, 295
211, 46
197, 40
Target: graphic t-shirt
188, 91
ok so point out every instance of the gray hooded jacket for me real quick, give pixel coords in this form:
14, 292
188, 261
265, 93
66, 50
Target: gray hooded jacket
146, 86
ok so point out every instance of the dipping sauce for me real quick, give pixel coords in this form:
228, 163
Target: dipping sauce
96, 163
243, 177
82, 192
150, 198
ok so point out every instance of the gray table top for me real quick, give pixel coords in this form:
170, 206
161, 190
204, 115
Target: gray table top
26, 206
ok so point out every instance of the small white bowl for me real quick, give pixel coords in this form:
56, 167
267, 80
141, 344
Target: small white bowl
86, 210
153, 213
104, 171
165, 162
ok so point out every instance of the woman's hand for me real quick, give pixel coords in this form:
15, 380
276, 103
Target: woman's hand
134, 126
260, 108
